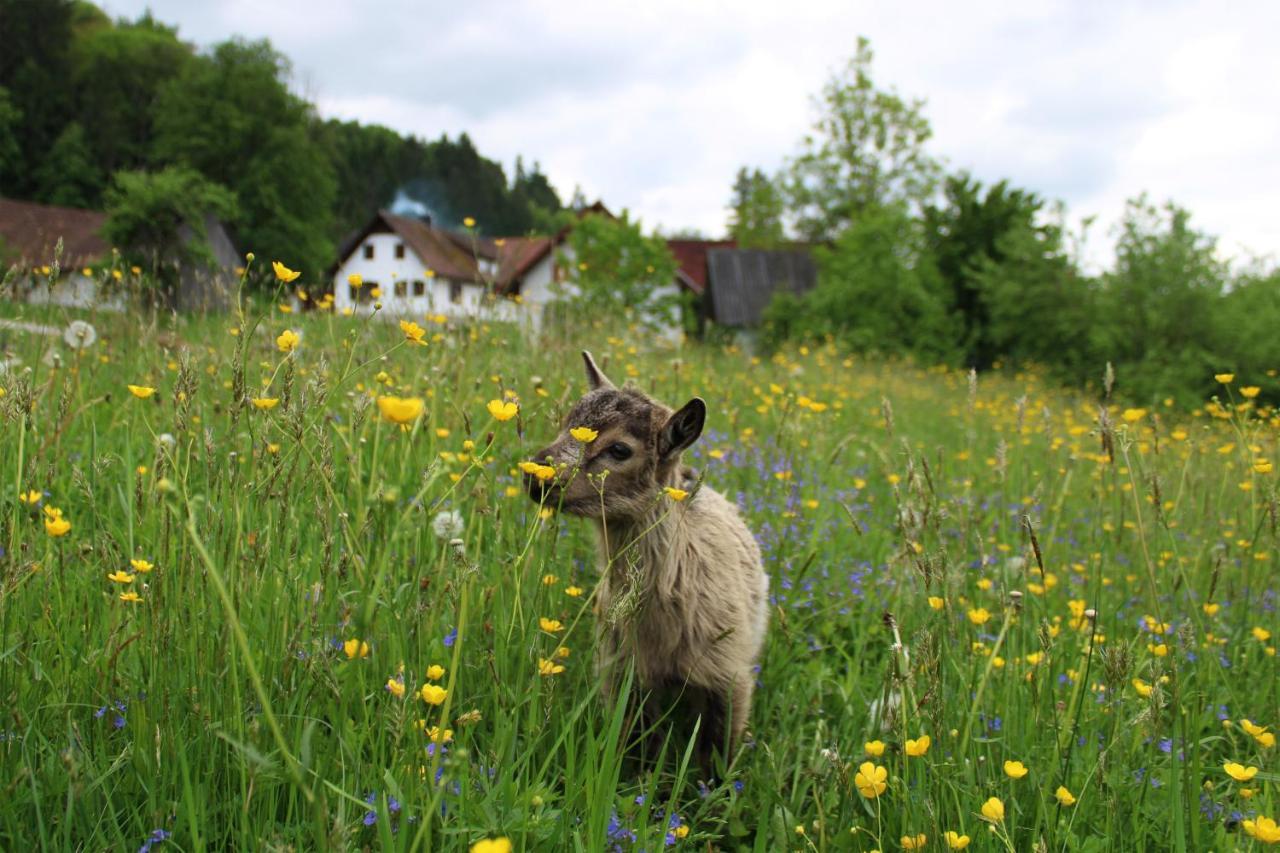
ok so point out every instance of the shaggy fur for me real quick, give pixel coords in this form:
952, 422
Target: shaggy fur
683, 594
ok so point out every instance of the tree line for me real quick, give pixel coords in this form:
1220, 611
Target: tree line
96, 113
915, 261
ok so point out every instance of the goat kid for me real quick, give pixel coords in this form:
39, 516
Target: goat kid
683, 593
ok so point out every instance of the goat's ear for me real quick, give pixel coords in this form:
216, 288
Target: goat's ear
682, 428
595, 376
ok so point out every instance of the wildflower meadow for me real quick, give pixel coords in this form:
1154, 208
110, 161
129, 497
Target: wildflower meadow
272, 581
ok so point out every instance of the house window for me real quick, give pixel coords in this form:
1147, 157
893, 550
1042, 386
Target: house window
455, 292
402, 288
419, 288
363, 294
368, 251
399, 251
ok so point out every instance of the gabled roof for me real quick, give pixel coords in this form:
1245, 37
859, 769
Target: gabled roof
30, 232
741, 282
439, 251
520, 254
517, 255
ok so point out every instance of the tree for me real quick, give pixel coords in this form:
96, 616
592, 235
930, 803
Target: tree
966, 233
157, 219
865, 152
878, 292
230, 117
1036, 307
67, 174
533, 191
10, 149
35, 67
616, 268
118, 71
1159, 307
757, 208
1250, 318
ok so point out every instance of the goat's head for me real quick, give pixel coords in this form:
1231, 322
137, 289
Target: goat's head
635, 452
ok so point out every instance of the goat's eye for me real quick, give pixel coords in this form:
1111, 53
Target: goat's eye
620, 451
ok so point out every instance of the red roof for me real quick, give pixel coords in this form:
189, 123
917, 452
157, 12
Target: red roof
31, 231
519, 254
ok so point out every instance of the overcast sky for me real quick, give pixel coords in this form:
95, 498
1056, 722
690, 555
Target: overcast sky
653, 106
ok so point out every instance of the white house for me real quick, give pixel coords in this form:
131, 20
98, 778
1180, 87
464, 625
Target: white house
418, 269
415, 269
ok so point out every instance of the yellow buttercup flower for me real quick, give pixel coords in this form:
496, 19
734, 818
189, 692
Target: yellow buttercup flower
914, 842
937, 603
870, 780
1015, 769
1264, 829
675, 494
1225, 378
355, 279
551, 626
433, 694
1064, 796
1132, 416
548, 667
542, 472
142, 392
956, 841
993, 810
468, 222
1144, 689
584, 434
874, 748
141, 566
120, 577
30, 498
491, 845
1252, 728
130, 596
979, 615
265, 403
502, 410
1239, 772
918, 747
355, 648
435, 672
283, 273
1250, 391
413, 333
55, 525
288, 340
401, 410
395, 687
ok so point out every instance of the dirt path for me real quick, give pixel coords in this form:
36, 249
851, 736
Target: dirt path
33, 328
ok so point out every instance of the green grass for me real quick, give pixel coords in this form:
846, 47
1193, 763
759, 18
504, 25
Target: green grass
223, 707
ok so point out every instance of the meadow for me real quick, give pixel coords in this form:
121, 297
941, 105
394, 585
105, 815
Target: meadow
270, 581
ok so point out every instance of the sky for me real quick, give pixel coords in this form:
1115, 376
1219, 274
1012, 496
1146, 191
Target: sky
654, 106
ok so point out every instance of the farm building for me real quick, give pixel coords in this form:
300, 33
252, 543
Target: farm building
737, 284
29, 235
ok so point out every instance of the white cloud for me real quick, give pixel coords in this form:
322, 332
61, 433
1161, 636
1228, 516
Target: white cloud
654, 106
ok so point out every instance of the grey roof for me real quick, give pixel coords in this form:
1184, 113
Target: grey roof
741, 282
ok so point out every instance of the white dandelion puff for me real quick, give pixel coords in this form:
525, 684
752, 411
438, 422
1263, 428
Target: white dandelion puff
79, 334
447, 524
